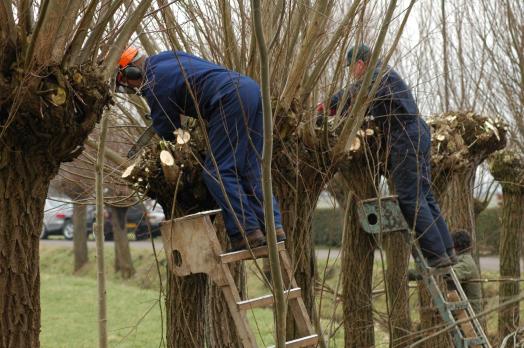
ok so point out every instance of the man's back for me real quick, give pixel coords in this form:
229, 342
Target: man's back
466, 269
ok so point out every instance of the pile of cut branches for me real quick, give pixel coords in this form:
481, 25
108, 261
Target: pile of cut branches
463, 139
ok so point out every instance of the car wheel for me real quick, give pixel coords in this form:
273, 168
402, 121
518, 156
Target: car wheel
43, 233
68, 230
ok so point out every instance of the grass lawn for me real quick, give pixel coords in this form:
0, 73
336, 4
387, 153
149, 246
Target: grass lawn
69, 313
69, 302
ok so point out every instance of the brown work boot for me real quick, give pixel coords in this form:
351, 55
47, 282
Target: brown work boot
281, 235
254, 238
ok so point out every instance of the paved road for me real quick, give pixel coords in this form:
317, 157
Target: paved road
487, 263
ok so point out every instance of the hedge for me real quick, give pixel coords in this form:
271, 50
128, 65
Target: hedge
327, 228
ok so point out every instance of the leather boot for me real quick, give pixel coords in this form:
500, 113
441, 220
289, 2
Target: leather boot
281, 235
254, 238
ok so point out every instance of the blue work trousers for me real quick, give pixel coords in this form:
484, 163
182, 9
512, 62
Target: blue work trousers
235, 134
409, 165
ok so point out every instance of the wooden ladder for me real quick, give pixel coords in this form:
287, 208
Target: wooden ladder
192, 246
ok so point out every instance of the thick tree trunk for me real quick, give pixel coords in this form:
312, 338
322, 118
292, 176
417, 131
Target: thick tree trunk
297, 204
80, 235
398, 252
455, 197
123, 260
220, 329
509, 250
185, 306
24, 181
357, 262
507, 167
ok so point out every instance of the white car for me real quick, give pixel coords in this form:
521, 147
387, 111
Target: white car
58, 219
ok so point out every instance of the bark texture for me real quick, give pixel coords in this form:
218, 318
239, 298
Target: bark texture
507, 167
123, 260
23, 192
398, 251
298, 181
80, 235
220, 328
357, 260
38, 132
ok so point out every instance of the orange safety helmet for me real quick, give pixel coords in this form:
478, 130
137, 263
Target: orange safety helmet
126, 69
127, 57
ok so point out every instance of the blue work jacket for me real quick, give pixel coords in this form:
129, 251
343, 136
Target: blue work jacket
393, 106
180, 83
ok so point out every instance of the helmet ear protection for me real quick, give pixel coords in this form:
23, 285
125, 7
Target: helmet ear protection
127, 69
132, 72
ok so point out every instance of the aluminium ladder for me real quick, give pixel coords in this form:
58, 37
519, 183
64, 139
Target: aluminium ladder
383, 215
192, 246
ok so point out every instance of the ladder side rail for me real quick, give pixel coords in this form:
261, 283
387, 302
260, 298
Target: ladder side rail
297, 307
471, 313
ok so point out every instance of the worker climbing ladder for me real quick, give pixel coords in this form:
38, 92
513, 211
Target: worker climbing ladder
383, 215
192, 246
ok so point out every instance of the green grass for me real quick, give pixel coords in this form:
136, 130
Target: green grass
69, 302
69, 313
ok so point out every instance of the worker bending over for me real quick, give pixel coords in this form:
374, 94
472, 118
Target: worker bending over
408, 145
176, 83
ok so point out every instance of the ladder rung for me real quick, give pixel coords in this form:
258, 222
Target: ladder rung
246, 255
453, 306
303, 342
266, 300
307, 341
475, 341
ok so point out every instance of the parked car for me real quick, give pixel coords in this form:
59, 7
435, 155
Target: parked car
58, 219
137, 219
140, 219
91, 219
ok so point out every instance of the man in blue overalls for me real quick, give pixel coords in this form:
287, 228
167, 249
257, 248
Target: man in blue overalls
176, 83
408, 142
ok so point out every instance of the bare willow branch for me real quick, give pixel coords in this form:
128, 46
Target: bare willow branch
101, 278
274, 261
303, 57
7, 23
232, 58
341, 32
45, 49
90, 48
147, 43
125, 34
353, 123
75, 47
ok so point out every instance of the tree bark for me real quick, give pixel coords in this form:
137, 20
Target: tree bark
80, 235
398, 251
509, 251
23, 190
507, 167
357, 262
123, 260
297, 189
220, 329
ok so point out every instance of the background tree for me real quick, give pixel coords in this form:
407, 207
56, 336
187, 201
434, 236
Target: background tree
507, 166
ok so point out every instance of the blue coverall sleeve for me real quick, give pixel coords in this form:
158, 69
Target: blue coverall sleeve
336, 99
165, 118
